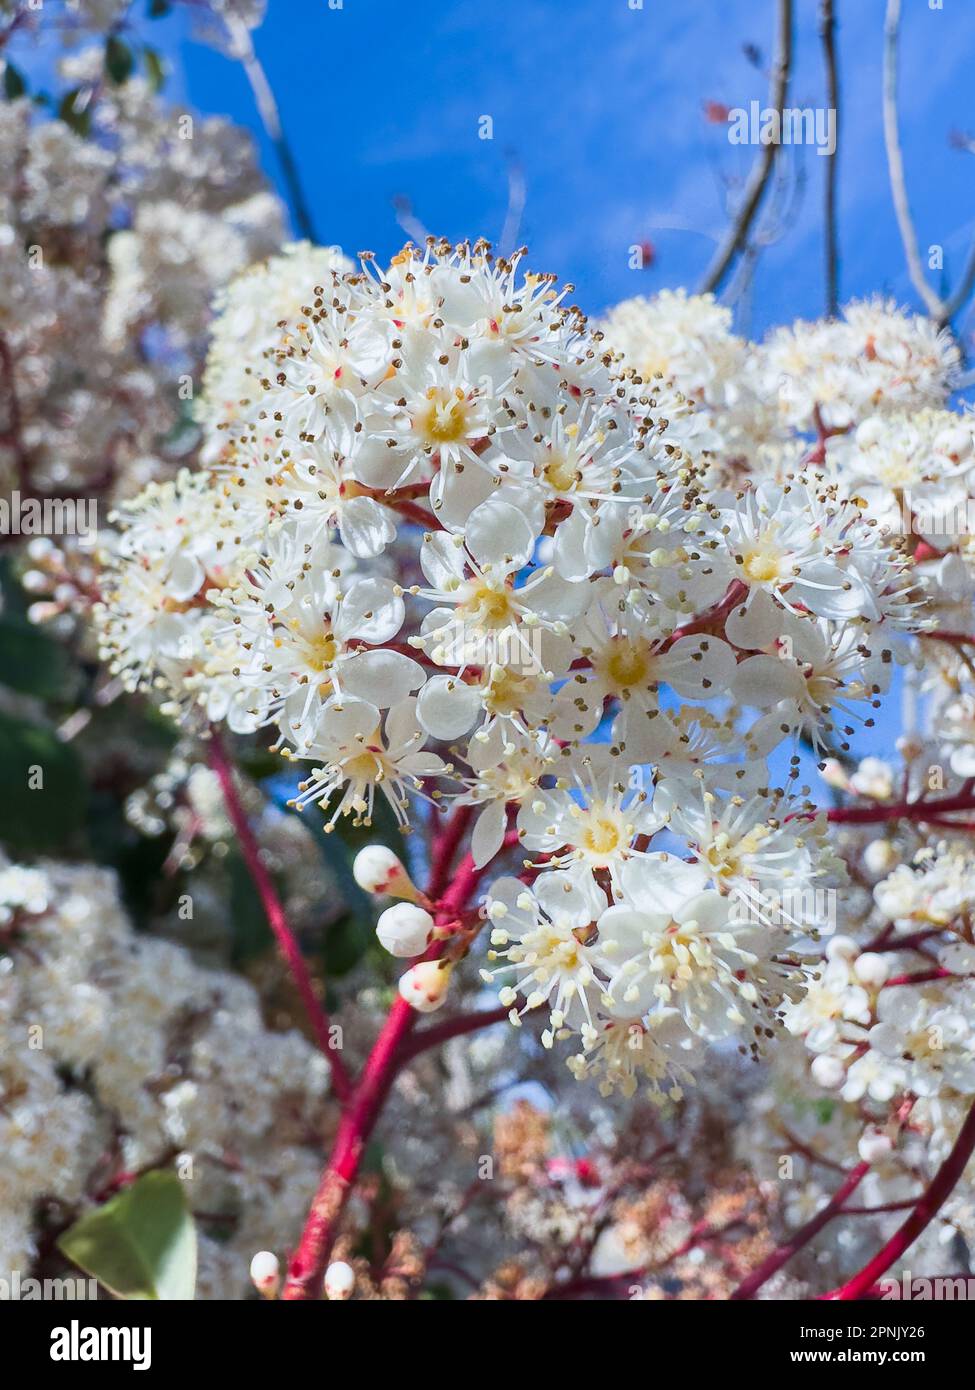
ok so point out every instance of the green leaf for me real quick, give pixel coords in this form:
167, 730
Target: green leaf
75, 110
32, 662
13, 82
140, 1244
119, 62
155, 68
38, 817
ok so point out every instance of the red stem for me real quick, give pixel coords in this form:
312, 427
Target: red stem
450, 1028
750, 1286
901, 810
307, 1264
920, 1218
277, 918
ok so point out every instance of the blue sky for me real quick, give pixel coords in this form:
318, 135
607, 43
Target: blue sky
603, 106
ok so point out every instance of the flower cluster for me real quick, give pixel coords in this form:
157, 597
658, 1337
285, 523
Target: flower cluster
448, 549
121, 1053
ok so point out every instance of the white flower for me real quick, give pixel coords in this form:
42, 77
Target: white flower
671, 940
542, 933
359, 753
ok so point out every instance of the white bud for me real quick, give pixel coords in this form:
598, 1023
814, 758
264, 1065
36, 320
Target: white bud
871, 968
424, 986
874, 1144
404, 929
880, 857
841, 948
378, 870
869, 432
834, 774
266, 1273
339, 1281
828, 1072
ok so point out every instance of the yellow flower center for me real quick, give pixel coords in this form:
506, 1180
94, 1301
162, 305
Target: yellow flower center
762, 563
560, 473
444, 419
627, 664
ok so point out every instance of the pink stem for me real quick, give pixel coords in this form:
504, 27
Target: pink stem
920, 1218
277, 918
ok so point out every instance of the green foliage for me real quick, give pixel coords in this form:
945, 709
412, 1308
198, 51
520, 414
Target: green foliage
43, 816
140, 1244
32, 662
119, 62
155, 68
13, 82
252, 931
75, 110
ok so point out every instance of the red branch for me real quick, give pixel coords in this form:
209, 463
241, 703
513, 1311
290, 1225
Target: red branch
450, 1028
277, 918
307, 1264
901, 810
920, 1218
750, 1286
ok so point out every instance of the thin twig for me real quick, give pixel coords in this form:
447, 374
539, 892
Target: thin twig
827, 34
267, 108
895, 166
737, 235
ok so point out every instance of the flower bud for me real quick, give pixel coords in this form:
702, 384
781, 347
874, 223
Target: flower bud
378, 870
339, 1281
880, 857
874, 1145
404, 929
841, 948
266, 1273
871, 968
834, 774
424, 986
828, 1072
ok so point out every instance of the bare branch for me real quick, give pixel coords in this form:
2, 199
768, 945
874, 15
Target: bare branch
267, 107
827, 34
737, 235
895, 165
